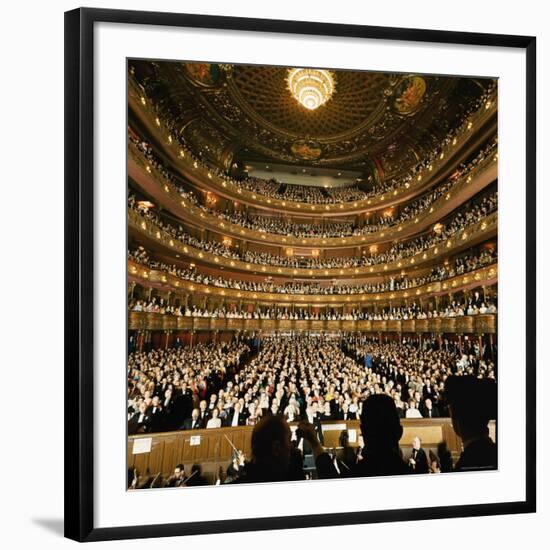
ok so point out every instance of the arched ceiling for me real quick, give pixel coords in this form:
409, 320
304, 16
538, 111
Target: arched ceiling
381, 122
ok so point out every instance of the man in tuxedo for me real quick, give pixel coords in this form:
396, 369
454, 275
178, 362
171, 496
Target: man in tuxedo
171, 421
140, 422
204, 413
418, 461
157, 415
428, 409
236, 416
177, 479
193, 423
184, 402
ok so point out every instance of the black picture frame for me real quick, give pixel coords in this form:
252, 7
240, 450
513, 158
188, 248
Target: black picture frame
79, 269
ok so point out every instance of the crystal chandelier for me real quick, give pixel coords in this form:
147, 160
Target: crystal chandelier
310, 87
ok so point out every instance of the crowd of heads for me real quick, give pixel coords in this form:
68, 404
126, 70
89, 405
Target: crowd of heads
332, 229
309, 381
308, 194
459, 266
313, 378
461, 219
274, 382
455, 308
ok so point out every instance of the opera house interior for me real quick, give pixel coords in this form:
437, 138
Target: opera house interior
312, 274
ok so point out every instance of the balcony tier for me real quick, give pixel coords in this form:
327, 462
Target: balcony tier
483, 122
166, 194
152, 236
470, 324
485, 276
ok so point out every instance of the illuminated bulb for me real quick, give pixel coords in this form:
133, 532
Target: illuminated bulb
310, 87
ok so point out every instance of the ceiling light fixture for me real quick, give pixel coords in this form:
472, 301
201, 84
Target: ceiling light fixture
310, 87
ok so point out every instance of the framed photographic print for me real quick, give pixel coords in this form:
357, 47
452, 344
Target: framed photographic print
300, 267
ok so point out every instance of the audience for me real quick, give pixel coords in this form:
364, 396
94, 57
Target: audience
464, 217
458, 266
381, 431
473, 306
316, 195
311, 379
327, 228
296, 377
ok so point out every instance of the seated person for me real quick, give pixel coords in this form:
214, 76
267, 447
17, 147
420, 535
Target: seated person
196, 479
140, 422
177, 479
472, 403
215, 421
193, 423
418, 461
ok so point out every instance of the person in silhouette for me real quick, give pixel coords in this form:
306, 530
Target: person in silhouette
472, 404
381, 429
272, 453
348, 455
444, 457
196, 479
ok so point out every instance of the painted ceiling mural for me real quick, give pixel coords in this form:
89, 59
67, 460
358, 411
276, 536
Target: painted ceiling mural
383, 120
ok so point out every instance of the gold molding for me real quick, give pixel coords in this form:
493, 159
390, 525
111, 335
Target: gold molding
484, 276
469, 324
484, 228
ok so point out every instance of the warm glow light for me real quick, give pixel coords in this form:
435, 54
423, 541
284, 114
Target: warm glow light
310, 87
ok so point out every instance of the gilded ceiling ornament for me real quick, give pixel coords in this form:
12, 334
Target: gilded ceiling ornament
409, 95
306, 149
311, 87
205, 74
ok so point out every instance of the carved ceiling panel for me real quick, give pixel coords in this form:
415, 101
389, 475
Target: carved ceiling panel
388, 119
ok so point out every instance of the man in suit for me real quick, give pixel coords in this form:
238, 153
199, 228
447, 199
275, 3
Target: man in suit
418, 461
428, 409
140, 422
177, 479
236, 416
157, 415
472, 404
193, 423
184, 402
169, 406
204, 413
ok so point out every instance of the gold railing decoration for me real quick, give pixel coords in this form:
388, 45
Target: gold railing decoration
187, 210
145, 276
485, 228
474, 324
193, 169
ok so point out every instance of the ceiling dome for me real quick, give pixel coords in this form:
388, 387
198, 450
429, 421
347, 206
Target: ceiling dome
264, 92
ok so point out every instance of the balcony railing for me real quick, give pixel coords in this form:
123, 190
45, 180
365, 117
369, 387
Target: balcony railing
167, 195
471, 324
201, 174
481, 230
150, 277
